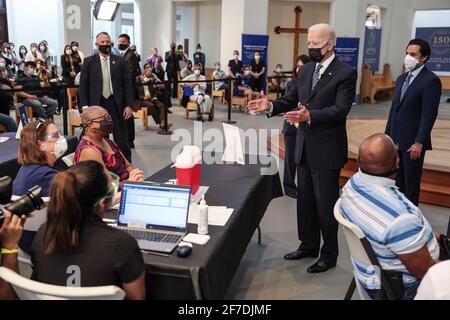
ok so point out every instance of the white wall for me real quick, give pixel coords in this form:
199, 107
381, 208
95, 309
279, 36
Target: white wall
256, 15
36, 20
188, 24
209, 28
281, 13
232, 26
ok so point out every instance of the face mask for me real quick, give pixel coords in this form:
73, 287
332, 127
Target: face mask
33, 49
410, 63
316, 54
38, 66
217, 67
75, 48
257, 57
104, 48
12, 48
60, 147
123, 47
247, 72
69, 52
106, 126
2, 65
235, 57
197, 72
42, 48
23, 51
199, 50
279, 70
31, 72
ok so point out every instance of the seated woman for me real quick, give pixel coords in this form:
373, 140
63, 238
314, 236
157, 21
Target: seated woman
242, 88
199, 93
41, 144
75, 235
279, 82
97, 124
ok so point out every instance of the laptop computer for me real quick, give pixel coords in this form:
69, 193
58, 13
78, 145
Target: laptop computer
155, 215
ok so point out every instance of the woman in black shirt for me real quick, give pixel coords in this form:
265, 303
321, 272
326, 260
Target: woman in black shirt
235, 66
71, 65
75, 247
258, 67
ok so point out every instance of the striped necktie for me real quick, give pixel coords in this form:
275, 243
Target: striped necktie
405, 86
316, 76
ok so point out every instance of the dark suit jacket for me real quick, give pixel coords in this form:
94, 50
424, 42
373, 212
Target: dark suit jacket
91, 82
133, 63
411, 119
325, 139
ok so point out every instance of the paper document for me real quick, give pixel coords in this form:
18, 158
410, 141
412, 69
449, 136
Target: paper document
3, 139
233, 145
197, 238
217, 216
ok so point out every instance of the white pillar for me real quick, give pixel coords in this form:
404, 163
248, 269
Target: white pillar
241, 17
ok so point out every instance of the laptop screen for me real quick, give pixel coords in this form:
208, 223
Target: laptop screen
158, 206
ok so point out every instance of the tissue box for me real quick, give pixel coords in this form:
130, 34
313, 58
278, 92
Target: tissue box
189, 177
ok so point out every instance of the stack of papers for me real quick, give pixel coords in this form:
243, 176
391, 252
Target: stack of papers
217, 216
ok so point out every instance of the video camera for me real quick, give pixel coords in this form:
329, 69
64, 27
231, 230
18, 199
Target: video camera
25, 205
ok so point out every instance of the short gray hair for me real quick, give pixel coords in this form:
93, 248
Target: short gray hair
326, 29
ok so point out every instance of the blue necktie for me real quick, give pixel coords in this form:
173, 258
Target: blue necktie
316, 76
405, 86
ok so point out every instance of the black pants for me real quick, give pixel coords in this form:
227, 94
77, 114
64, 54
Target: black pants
131, 131
318, 191
172, 76
120, 129
409, 175
290, 167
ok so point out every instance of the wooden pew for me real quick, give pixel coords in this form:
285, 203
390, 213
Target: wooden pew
373, 83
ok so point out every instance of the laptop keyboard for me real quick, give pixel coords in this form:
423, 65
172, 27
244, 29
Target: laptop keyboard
154, 236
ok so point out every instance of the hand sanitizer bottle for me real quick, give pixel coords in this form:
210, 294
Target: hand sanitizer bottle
203, 219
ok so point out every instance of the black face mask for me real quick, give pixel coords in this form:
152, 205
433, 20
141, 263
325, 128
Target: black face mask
123, 47
106, 126
316, 53
104, 48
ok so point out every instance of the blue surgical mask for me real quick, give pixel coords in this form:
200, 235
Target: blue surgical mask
31, 72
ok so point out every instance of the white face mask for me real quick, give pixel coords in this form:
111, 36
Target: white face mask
279, 70
69, 52
410, 62
235, 57
60, 147
217, 67
75, 48
197, 72
23, 51
42, 48
257, 57
2, 65
247, 72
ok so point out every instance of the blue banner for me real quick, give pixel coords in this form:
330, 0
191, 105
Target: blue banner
372, 46
346, 50
252, 43
439, 40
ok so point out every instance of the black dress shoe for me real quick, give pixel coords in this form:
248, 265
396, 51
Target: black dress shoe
292, 195
300, 254
321, 266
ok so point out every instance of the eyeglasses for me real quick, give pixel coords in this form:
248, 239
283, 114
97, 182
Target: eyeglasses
52, 135
43, 123
112, 191
105, 117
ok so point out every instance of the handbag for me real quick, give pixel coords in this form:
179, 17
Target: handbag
188, 91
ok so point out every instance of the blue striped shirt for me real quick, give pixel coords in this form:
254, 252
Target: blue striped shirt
392, 224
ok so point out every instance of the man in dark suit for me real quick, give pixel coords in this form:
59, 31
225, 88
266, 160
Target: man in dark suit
323, 94
132, 59
172, 67
411, 118
106, 81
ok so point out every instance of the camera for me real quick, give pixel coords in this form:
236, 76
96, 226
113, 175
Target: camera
25, 205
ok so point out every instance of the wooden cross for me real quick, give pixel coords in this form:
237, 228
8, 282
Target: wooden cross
296, 31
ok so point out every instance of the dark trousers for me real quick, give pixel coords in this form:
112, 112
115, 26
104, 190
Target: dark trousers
290, 167
318, 191
120, 129
409, 175
172, 76
131, 131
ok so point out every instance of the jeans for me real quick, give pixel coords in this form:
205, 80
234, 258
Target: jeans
8, 122
38, 106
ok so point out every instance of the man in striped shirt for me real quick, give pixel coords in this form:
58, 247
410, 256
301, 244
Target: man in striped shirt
401, 237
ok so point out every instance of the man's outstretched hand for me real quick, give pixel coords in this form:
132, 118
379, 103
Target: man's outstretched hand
259, 105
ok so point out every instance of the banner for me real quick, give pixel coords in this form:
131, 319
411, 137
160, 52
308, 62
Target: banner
346, 50
372, 46
252, 43
439, 40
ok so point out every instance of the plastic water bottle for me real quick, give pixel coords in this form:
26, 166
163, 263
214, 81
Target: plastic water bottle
203, 219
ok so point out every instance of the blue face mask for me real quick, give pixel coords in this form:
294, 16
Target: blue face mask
31, 72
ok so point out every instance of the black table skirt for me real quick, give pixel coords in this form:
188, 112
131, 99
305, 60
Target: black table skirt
208, 271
